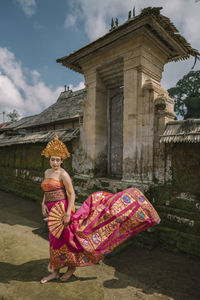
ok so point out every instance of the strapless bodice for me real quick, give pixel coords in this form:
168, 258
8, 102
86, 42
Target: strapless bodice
51, 184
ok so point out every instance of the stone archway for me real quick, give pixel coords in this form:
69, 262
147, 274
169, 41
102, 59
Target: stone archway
132, 55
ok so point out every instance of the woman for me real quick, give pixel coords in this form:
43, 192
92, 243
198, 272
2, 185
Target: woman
103, 221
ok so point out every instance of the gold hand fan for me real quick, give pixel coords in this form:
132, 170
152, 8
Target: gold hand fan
55, 219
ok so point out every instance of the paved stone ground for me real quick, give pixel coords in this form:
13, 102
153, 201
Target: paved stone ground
133, 274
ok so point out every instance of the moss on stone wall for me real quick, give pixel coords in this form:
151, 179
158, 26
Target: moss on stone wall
22, 169
181, 224
178, 212
176, 241
21, 184
179, 229
186, 166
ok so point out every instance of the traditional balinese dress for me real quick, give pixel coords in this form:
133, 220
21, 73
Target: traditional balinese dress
103, 222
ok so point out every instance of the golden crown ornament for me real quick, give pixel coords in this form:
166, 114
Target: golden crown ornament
56, 148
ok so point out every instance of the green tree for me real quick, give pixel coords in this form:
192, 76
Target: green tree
14, 115
186, 95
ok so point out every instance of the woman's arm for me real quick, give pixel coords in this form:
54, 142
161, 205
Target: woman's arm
71, 195
44, 207
43, 201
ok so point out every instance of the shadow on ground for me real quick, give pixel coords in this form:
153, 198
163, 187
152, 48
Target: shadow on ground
30, 271
156, 271
14, 210
135, 270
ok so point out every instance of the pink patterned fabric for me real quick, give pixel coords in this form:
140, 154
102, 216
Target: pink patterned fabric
103, 222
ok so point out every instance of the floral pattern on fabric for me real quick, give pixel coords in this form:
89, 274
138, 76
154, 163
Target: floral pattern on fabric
103, 222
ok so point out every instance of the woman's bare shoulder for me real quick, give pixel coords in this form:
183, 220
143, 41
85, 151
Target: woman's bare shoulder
64, 174
46, 172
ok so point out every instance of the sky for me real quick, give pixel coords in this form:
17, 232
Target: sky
34, 33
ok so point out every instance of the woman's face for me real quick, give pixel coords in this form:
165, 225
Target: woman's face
55, 162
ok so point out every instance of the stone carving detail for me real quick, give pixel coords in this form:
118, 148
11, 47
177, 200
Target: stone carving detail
163, 103
160, 102
181, 220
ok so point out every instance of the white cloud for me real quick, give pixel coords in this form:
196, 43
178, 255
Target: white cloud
11, 68
28, 6
96, 18
70, 21
96, 21
9, 91
16, 93
80, 86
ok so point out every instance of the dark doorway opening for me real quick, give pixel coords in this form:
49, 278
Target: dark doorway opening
115, 155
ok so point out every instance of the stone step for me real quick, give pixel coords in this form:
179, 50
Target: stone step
86, 182
177, 222
177, 241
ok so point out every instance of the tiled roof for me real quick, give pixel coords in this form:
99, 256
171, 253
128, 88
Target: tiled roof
65, 135
68, 106
3, 125
17, 124
182, 131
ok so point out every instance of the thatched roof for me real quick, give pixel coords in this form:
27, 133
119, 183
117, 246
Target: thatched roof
2, 125
17, 124
65, 135
68, 106
150, 20
182, 131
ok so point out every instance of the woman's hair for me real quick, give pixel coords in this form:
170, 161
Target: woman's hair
63, 166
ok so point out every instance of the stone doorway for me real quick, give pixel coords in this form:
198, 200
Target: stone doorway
115, 132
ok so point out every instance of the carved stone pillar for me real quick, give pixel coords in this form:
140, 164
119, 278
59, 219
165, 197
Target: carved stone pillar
94, 133
131, 152
164, 112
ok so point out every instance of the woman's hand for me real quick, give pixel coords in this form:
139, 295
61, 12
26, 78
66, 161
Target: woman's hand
66, 219
45, 210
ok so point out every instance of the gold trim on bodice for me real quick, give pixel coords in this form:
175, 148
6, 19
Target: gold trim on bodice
55, 179
56, 195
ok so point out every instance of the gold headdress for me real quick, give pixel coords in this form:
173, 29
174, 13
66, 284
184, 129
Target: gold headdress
56, 148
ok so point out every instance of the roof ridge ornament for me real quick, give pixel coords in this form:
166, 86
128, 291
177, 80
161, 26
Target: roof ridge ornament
134, 12
177, 47
129, 14
114, 25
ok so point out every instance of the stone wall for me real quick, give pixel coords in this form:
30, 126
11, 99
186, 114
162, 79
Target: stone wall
185, 168
22, 169
177, 201
179, 229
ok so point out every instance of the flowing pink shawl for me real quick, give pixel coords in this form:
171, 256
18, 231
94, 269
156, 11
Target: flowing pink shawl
103, 222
